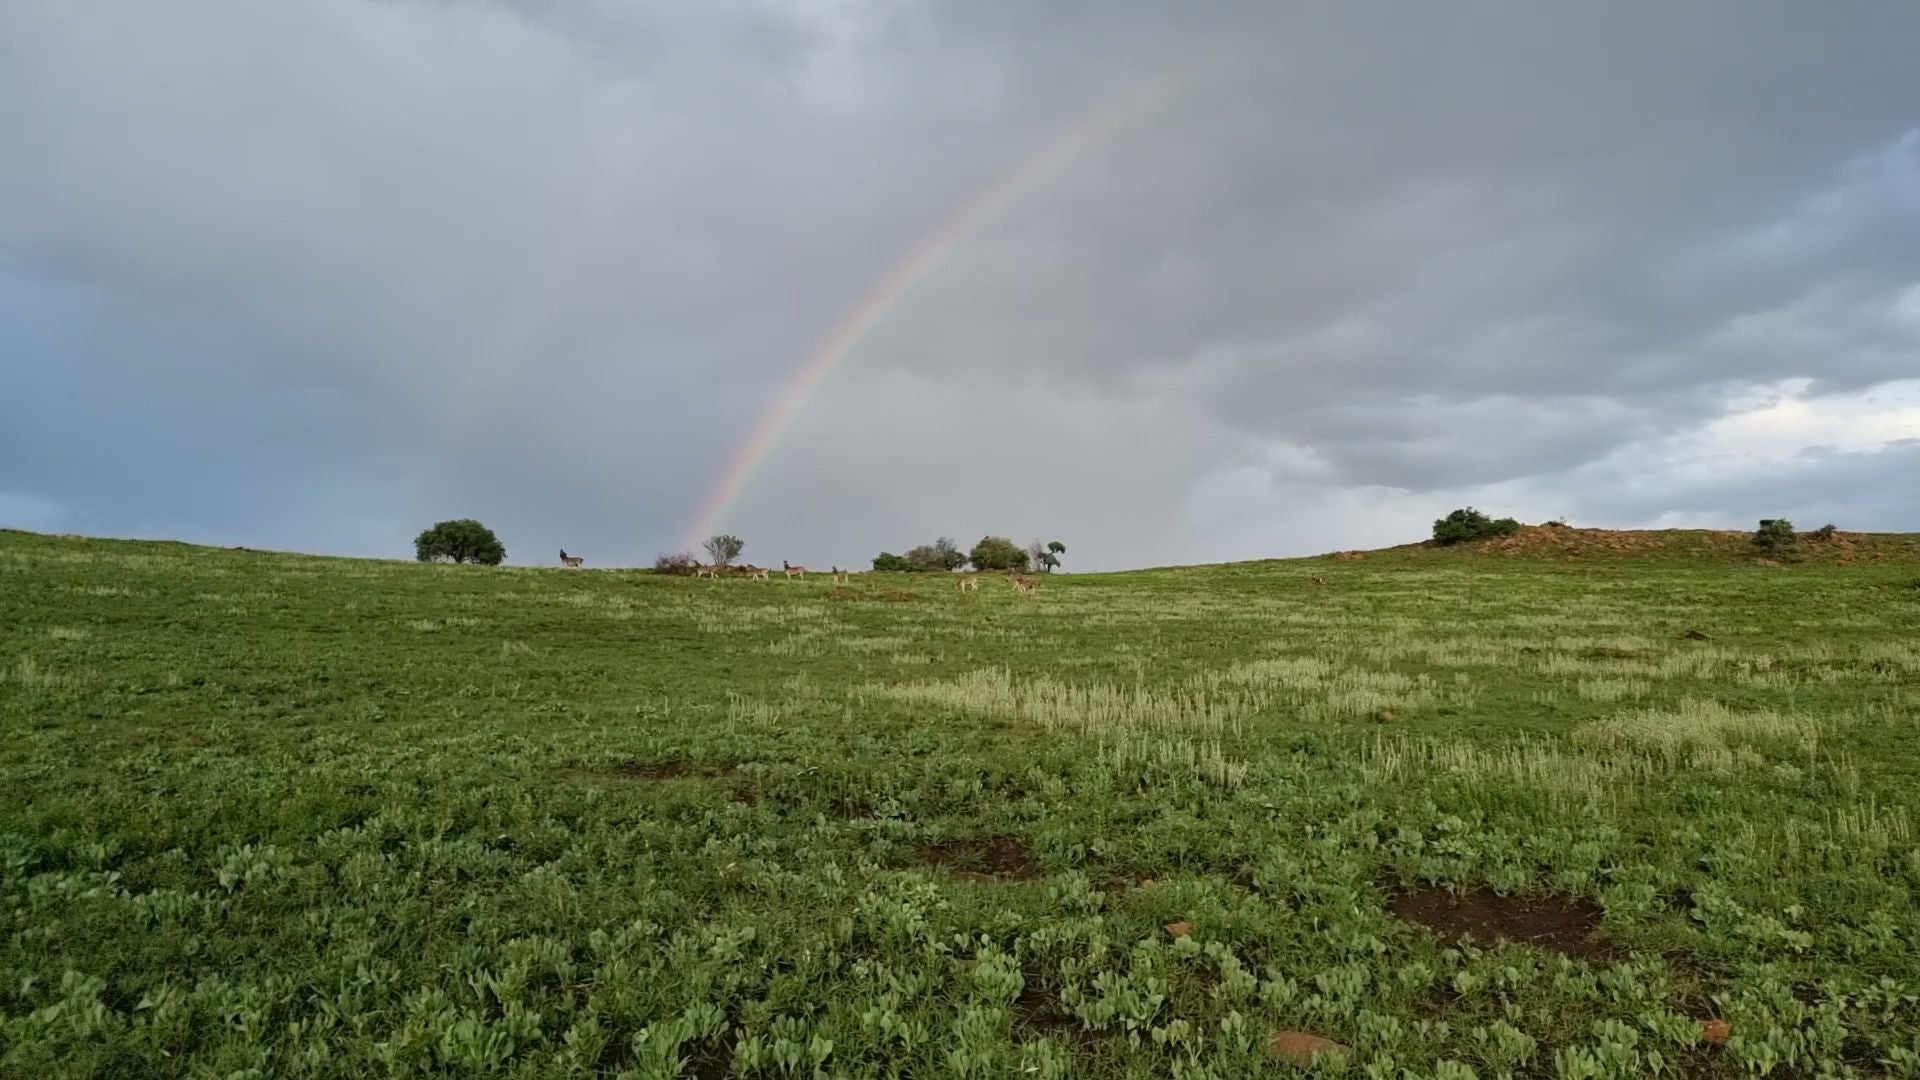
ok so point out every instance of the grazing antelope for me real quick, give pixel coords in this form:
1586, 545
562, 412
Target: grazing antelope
791, 570
1024, 585
702, 570
755, 573
839, 576
574, 561
970, 583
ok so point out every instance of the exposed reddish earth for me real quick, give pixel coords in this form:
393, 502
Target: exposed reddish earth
1568, 924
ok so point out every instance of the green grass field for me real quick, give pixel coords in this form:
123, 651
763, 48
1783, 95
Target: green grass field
273, 815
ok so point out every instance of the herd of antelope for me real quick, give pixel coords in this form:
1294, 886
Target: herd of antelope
1022, 584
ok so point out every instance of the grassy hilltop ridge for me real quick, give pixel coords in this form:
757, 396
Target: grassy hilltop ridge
1563, 542
329, 817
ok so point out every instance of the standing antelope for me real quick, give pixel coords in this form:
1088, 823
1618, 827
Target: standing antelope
755, 573
970, 583
1024, 585
791, 570
839, 576
574, 561
702, 570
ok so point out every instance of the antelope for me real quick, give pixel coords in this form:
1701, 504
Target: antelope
792, 571
839, 576
755, 573
574, 561
1317, 580
970, 583
702, 570
1024, 585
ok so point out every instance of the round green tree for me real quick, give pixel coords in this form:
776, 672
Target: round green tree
997, 553
463, 540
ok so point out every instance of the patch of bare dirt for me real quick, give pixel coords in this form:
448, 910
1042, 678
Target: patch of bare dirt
1301, 1047
999, 858
1038, 1014
1118, 879
1568, 924
712, 1059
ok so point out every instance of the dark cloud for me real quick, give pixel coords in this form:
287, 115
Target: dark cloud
312, 274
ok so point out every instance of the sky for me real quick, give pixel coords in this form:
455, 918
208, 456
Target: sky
314, 274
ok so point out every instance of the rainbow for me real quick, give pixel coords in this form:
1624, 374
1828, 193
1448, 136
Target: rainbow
901, 278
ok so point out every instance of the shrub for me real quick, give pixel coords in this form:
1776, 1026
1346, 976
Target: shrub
943, 555
1469, 524
1775, 537
997, 553
951, 557
463, 540
1558, 523
679, 562
1825, 532
887, 560
724, 548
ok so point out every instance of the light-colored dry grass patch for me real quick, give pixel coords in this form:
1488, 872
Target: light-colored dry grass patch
28, 674
809, 642
733, 620
103, 590
612, 606
1565, 776
1441, 652
751, 712
1611, 690
1203, 760
1350, 701
1865, 829
1322, 690
1095, 710
1698, 730
881, 644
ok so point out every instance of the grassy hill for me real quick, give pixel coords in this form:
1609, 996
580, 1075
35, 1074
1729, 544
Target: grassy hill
1562, 542
1532, 807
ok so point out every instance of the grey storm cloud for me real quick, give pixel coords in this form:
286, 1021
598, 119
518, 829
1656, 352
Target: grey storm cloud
314, 274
